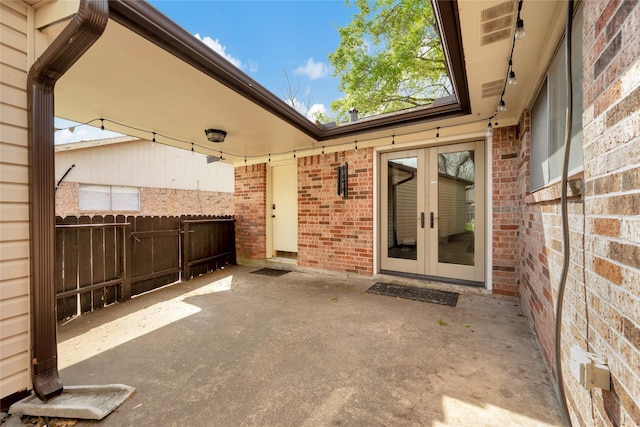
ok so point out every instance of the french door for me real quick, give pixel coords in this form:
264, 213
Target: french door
432, 211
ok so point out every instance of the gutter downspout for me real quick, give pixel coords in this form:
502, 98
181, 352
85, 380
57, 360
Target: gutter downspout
85, 28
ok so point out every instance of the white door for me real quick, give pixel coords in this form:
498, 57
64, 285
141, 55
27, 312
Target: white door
284, 208
432, 212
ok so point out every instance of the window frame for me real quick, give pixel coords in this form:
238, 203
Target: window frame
110, 193
541, 156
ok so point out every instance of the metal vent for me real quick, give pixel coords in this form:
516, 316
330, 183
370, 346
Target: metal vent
497, 11
493, 88
495, 37
496, 23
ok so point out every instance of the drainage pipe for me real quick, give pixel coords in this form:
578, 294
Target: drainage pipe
84, 29
564, 211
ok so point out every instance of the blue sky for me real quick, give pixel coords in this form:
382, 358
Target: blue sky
264, 39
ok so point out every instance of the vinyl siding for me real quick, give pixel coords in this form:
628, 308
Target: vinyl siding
451, 207
14, 201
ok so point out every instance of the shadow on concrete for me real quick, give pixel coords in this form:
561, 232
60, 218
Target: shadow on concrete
233, 348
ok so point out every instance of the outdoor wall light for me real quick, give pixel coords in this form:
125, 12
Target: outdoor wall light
215, 135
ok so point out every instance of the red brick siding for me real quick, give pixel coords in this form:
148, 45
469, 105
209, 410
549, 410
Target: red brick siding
334, 233
602, 299
250, 201
153, 202
506, 210
612, 199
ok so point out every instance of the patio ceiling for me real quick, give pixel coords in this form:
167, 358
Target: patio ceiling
147, 73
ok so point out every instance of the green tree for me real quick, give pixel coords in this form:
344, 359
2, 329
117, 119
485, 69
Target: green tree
390, 58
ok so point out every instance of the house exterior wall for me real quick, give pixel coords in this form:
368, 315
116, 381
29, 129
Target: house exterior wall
602, 296
153, 202
506, 211
250, 203
14, 201
334, 233
172, 181
142, 163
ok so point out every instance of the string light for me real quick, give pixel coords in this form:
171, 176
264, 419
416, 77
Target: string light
356, 145
102, 125
520, 33
510, 77
207, 149
393, 140
489, 132
438, 134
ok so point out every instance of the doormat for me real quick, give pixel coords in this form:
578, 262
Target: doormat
414, 293
273, 272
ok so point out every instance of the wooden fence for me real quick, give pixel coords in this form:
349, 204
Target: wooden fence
102, 260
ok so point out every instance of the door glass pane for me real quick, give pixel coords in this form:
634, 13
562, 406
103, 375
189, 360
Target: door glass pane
456, 207
402, 198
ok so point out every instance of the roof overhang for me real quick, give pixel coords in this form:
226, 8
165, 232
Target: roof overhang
146, 74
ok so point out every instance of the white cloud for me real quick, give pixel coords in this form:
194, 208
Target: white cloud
216, 46
311, 112
297, 105
253, 66
316, 109
313, 70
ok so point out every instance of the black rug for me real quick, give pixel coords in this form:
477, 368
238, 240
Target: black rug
414, 293
273, 272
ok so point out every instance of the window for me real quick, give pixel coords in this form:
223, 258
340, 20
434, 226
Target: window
548, 115
108, 198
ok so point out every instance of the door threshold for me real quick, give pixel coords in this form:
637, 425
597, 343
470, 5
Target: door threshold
439, 279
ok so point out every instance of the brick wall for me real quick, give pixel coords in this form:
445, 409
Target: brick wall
506, 210
250, 202
334, 233
602, 299
153, 202
612, 203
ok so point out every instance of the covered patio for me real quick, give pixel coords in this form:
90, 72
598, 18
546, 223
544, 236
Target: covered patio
236, 348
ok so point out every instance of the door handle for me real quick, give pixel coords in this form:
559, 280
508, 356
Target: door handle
431, 218
422, 220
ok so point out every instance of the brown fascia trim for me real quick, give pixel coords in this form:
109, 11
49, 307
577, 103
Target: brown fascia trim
146, 21
85, 28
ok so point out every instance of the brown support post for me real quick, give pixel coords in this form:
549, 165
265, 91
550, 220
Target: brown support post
186, 268
126, 262
85, 28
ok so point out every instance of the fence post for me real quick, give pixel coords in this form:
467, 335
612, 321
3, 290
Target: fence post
126, 262
186, 269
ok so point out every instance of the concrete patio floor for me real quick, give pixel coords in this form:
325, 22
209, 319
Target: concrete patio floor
238, 349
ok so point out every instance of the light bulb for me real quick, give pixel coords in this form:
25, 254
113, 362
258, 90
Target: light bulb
489, 132
520, 33
512, 78
502, 106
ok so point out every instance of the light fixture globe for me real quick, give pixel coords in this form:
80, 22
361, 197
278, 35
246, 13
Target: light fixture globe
215, 135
